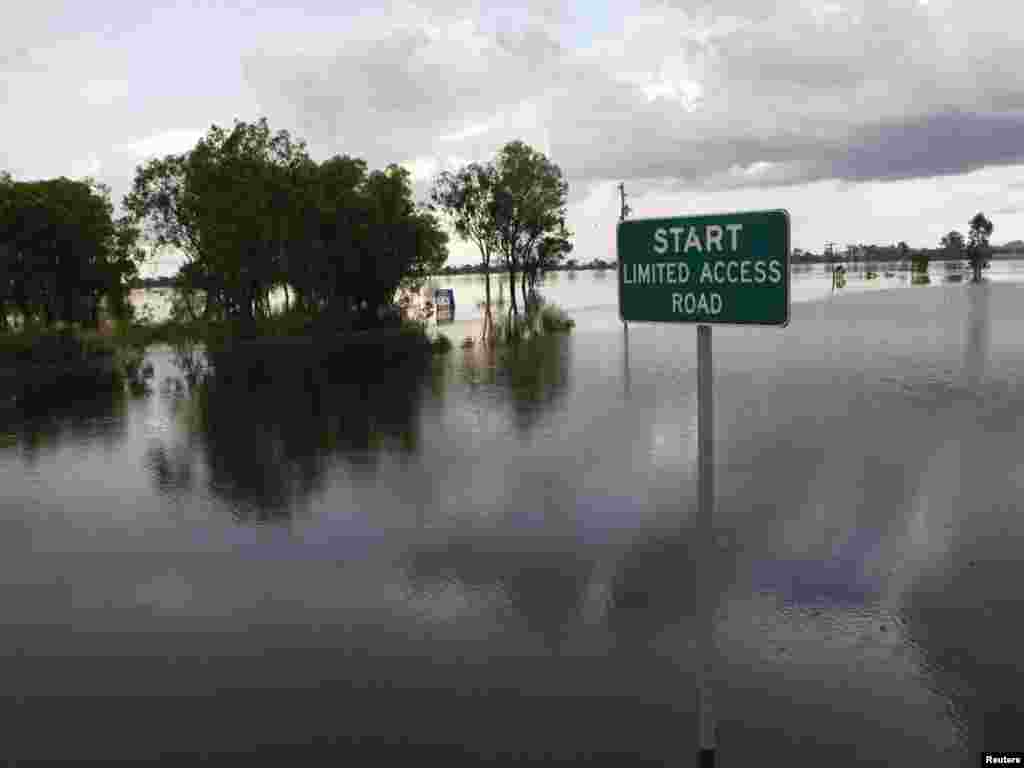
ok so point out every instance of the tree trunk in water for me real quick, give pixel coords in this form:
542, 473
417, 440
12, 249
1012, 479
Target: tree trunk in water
487, 335
526, 301
487, 285
512, 289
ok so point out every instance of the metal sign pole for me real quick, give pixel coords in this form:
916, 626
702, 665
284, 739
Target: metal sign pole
705, 515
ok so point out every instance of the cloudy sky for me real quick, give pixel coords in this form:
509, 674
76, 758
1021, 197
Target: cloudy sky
869, 121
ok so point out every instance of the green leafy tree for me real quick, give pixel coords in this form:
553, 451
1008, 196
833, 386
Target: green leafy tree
226, 205
62, 252
529, 205
466, 199
953, 244
977, 244
515, 207
252, 211
548, 254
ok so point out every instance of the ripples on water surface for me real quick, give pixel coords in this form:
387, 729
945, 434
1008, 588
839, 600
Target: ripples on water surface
495, 556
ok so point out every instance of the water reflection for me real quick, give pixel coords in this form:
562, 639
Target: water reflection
91, 417
654, 588
872, 575
267, 448
839, 581
976, 343
538, 585
536, 373
625, 360
961, 605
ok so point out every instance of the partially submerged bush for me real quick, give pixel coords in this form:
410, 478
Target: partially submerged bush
59, 346
442, 344
541, 318
554, 318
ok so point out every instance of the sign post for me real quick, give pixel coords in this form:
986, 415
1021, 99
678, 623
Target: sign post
705, 541
724, 269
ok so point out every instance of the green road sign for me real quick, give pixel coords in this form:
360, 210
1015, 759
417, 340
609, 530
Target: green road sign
728, 268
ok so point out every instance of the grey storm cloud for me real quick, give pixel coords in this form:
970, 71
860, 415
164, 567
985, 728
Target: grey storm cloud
398, 95
665, 95
855, 91
934, 145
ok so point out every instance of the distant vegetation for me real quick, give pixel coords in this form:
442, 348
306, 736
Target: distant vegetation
975, 249
569, 266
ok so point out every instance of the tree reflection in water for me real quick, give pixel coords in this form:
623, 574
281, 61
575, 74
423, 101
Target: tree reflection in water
40, 424
267, 445
543, 584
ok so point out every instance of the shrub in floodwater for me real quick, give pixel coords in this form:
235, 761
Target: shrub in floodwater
510, 328
540, 318
553, 318
39, 364
442, 344
59, 346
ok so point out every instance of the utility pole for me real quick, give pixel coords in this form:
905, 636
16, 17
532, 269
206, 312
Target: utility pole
624, 210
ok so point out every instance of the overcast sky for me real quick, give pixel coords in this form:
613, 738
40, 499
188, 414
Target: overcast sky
869, 121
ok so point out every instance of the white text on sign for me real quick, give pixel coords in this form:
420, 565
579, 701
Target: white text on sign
712, 242
724, 272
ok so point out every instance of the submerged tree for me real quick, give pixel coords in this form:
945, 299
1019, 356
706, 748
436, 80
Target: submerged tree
953, 244
547, 255
977, 244
529, 206
466, 199
62, 252
226, 204
252, 212
514, 206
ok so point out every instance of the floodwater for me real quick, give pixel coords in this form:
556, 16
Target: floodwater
495, 558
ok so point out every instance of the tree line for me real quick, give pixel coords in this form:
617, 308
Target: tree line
975, 249
559, 266
252, 213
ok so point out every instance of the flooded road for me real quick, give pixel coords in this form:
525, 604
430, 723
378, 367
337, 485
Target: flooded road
494, 558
